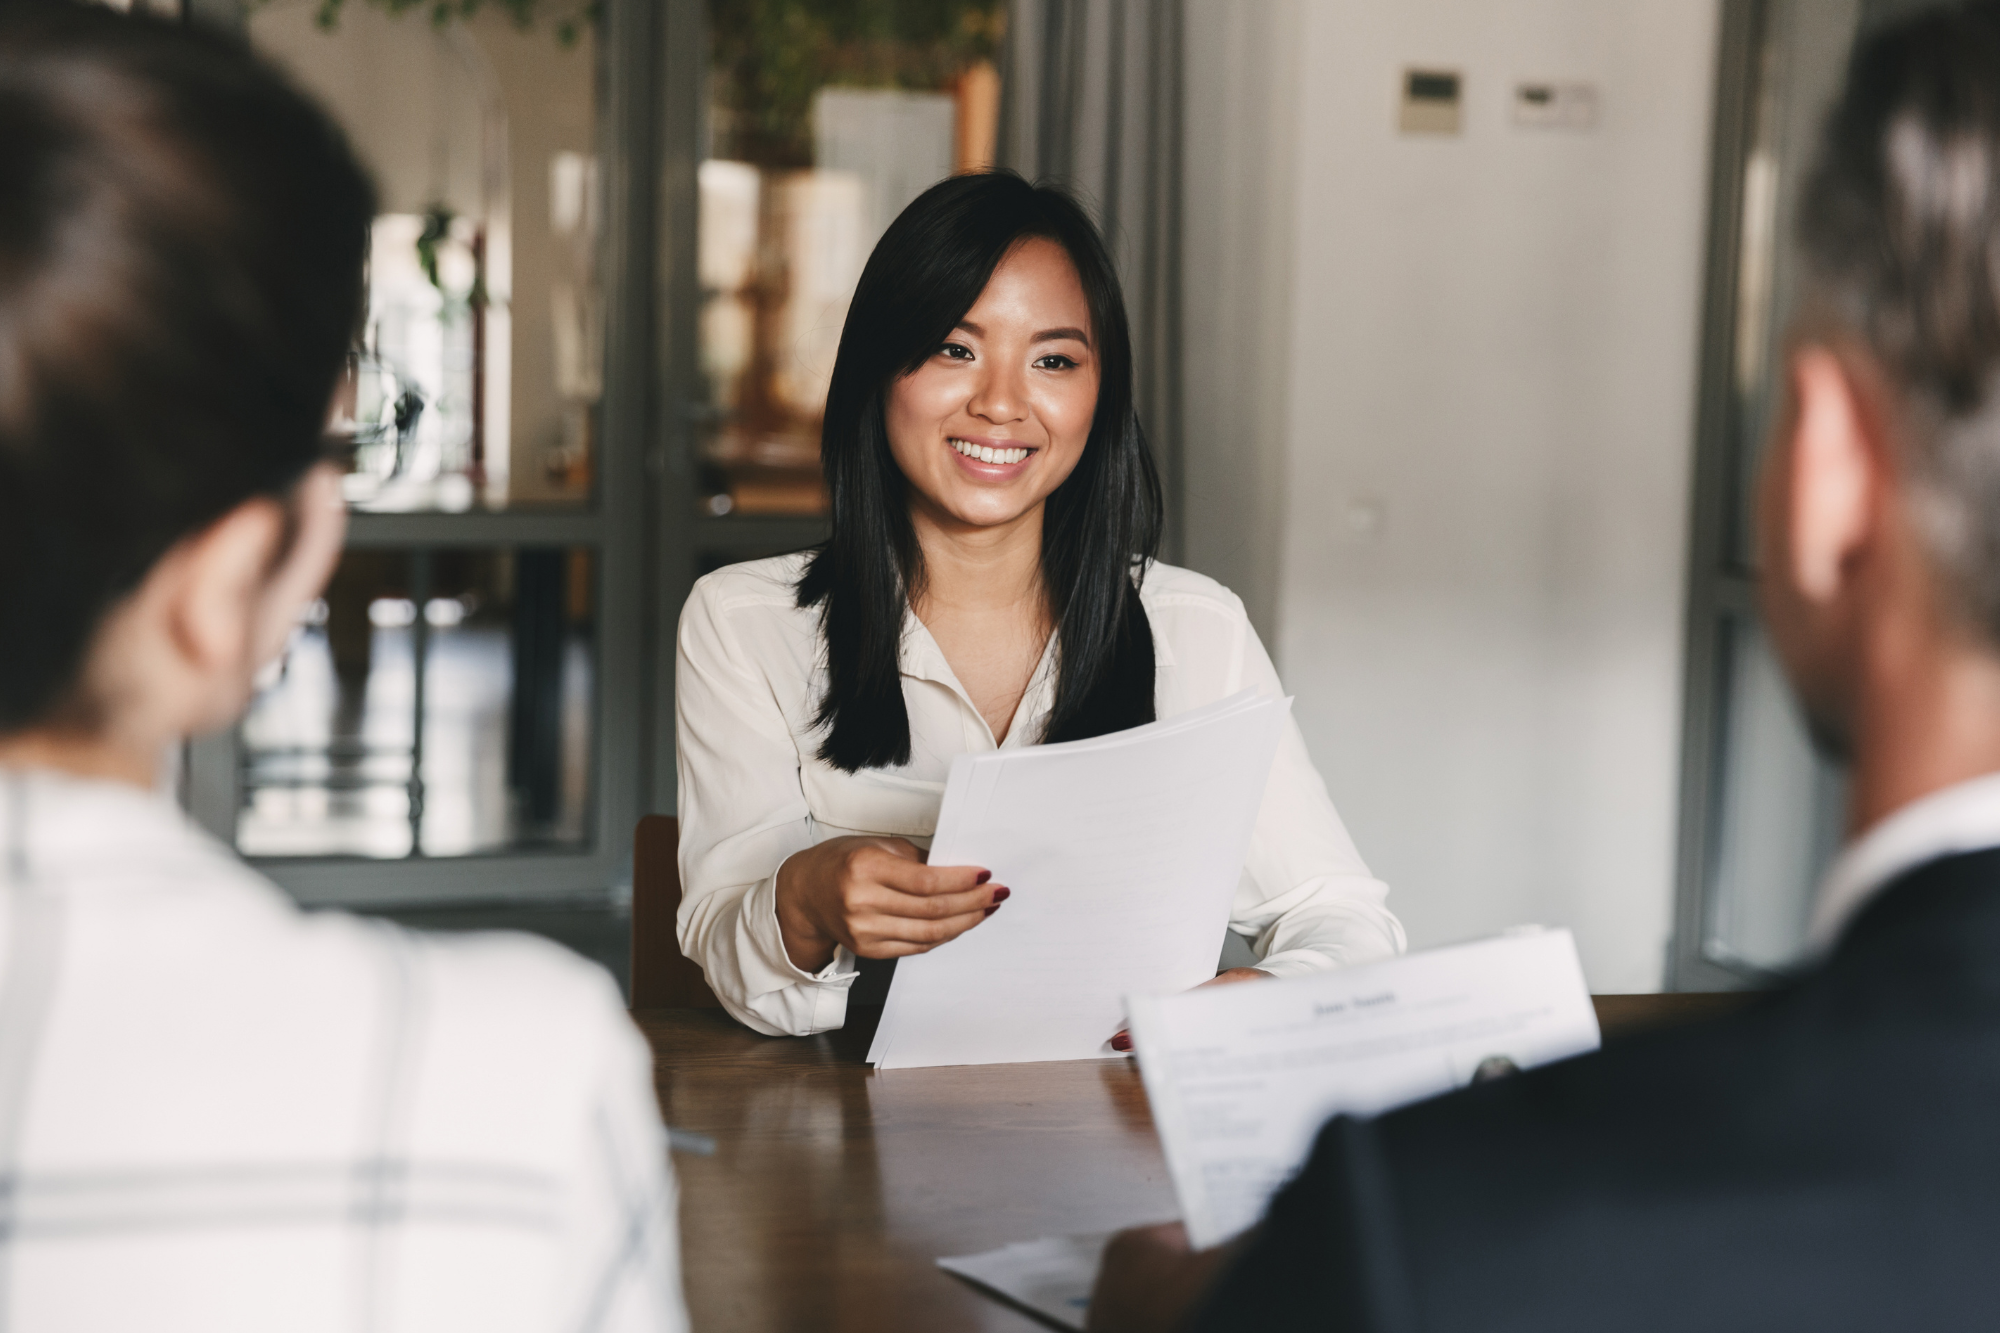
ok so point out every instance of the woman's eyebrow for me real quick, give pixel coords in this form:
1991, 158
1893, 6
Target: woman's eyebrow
1045, 336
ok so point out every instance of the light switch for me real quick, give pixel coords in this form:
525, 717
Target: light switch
1430, 101
1366, 517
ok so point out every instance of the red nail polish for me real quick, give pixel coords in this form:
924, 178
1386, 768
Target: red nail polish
984, 875
990, 911
1001, 895
1121, 1042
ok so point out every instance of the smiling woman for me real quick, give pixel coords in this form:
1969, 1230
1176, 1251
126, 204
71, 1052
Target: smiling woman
988, 318
990, 582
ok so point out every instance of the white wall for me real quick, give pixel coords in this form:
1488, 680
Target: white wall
1464, 525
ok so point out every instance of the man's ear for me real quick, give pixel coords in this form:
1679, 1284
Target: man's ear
1830, 492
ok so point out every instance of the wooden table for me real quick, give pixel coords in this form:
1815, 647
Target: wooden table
834, 1187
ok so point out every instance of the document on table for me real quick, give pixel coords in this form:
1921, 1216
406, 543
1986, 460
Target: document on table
1241, 1078
1052, 1276
1123, 853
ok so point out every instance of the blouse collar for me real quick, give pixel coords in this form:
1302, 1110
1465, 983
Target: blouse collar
920, 658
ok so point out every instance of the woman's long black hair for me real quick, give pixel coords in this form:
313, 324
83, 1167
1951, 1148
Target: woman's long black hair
1098, 530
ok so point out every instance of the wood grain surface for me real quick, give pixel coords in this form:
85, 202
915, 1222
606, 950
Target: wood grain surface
834, 1188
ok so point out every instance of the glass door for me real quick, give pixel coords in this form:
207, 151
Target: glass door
820, 123
455, 719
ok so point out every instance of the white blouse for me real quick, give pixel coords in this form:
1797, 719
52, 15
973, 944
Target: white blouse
753, 790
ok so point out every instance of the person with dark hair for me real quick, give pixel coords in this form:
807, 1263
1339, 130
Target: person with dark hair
1825, 1159
218, 1113
990, 581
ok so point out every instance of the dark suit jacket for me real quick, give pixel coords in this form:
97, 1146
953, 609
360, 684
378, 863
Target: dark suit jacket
1828, 1159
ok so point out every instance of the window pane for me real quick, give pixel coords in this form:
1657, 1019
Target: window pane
1780, 812
344, 754
822, 127
482, 368
1801, 61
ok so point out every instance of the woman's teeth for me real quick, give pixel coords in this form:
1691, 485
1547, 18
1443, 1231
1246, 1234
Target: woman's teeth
986, 455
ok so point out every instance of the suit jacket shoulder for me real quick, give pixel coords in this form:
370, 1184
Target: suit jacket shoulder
1824, 1160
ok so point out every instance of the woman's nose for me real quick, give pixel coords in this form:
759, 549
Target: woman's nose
1000, 397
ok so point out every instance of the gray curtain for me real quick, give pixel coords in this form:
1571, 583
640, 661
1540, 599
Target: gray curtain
1875, 13
223, 15
1091, 98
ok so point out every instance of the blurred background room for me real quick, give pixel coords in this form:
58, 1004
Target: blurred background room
1456, 325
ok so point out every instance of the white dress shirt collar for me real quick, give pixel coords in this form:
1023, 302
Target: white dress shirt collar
1964, 817
920, 658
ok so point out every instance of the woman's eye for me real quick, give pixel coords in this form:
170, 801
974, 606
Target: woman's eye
955, 352
1055, 361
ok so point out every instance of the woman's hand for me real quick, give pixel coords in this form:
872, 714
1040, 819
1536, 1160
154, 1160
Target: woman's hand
1236, 974
1122, 1039
877, 897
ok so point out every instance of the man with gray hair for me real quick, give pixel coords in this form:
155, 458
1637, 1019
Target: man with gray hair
1827, 1159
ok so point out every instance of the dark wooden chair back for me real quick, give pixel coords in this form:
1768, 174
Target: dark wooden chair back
662, 976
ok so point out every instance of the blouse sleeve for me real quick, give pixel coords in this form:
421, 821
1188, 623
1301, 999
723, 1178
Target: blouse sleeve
742, 813
1306, 898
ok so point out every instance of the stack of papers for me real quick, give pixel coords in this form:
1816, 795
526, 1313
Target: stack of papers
1241, 1078
1123, 853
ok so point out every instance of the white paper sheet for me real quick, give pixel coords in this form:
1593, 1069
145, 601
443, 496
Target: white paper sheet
1241, 1078
1052, 1276
1122, 853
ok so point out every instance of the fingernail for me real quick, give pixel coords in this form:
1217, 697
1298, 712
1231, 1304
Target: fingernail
984, 875
1121, 1042
1001, 895
991, 910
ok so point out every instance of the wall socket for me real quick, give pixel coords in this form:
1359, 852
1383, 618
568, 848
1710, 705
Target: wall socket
1543, 104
